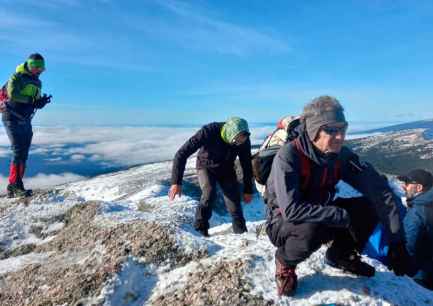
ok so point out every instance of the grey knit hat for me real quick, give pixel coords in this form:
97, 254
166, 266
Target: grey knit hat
322, 111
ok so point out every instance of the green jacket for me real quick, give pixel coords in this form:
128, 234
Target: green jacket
23, 87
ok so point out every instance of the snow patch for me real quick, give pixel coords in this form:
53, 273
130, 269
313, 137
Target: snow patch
140, 193
13, 264
132, 286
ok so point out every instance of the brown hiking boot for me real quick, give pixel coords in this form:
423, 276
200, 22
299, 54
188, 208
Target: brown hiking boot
286, 278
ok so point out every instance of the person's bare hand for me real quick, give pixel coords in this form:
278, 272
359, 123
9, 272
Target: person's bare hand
174, 190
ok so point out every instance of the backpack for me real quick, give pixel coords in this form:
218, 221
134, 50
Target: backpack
3, 98
287, 130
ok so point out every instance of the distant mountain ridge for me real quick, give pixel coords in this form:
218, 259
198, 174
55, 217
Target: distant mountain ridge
421, 124
399, 148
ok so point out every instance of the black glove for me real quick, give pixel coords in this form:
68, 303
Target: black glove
398, 258
42, 101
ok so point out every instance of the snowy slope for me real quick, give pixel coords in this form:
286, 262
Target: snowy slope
123, 196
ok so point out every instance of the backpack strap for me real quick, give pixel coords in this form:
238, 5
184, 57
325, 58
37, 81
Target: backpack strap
305, 165
325, 180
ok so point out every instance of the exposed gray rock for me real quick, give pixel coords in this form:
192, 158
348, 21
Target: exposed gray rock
221, 284
86, 256
21, 250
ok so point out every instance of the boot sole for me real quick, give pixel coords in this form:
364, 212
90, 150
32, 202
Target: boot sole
334, 265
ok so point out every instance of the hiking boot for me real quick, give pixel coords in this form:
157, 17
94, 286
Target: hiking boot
239, 226
286, 278
201, 229
28, 192
350, 263
17, 191
424, 283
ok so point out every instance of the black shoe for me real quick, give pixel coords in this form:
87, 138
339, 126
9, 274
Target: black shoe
239, 230
201, 229
351, 263
239, 226
17, 191
28, 192
426, 284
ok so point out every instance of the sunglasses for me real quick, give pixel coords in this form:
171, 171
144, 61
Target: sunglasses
411, 182
334, 130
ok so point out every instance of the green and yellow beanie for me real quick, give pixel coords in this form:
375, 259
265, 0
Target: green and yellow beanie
232, 128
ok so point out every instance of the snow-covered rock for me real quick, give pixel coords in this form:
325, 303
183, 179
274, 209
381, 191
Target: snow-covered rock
117, 240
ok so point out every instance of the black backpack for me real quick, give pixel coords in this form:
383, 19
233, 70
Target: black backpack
262, 160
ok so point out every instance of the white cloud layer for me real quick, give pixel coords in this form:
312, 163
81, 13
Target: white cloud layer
100, 147
124, 146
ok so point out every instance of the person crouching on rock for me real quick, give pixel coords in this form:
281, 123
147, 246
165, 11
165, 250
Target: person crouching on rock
23, 98
219, 143
302, 213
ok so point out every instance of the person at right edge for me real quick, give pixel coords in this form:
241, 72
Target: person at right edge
418, 225
302, 213
23, 98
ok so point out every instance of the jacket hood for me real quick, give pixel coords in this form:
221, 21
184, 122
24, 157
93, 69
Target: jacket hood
425, 198
233, 127
307, 147
22, 68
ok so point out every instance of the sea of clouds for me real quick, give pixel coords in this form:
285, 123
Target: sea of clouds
64, 154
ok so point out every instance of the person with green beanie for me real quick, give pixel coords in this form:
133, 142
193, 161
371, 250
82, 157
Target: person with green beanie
219, 144
23, 99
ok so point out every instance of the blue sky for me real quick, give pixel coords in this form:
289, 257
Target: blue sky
112, 62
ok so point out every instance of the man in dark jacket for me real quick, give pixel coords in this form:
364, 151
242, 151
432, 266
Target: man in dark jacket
418, 225
302, 213
219, 143
24, 97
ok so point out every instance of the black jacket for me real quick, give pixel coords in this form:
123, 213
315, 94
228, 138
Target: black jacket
284, 194
214, 154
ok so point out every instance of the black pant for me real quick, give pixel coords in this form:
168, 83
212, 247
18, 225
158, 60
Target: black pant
297, 241
20, 135
232, 198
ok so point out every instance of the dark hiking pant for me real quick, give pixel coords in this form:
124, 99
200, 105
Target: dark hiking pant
232, 199
297, 241
20, 135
